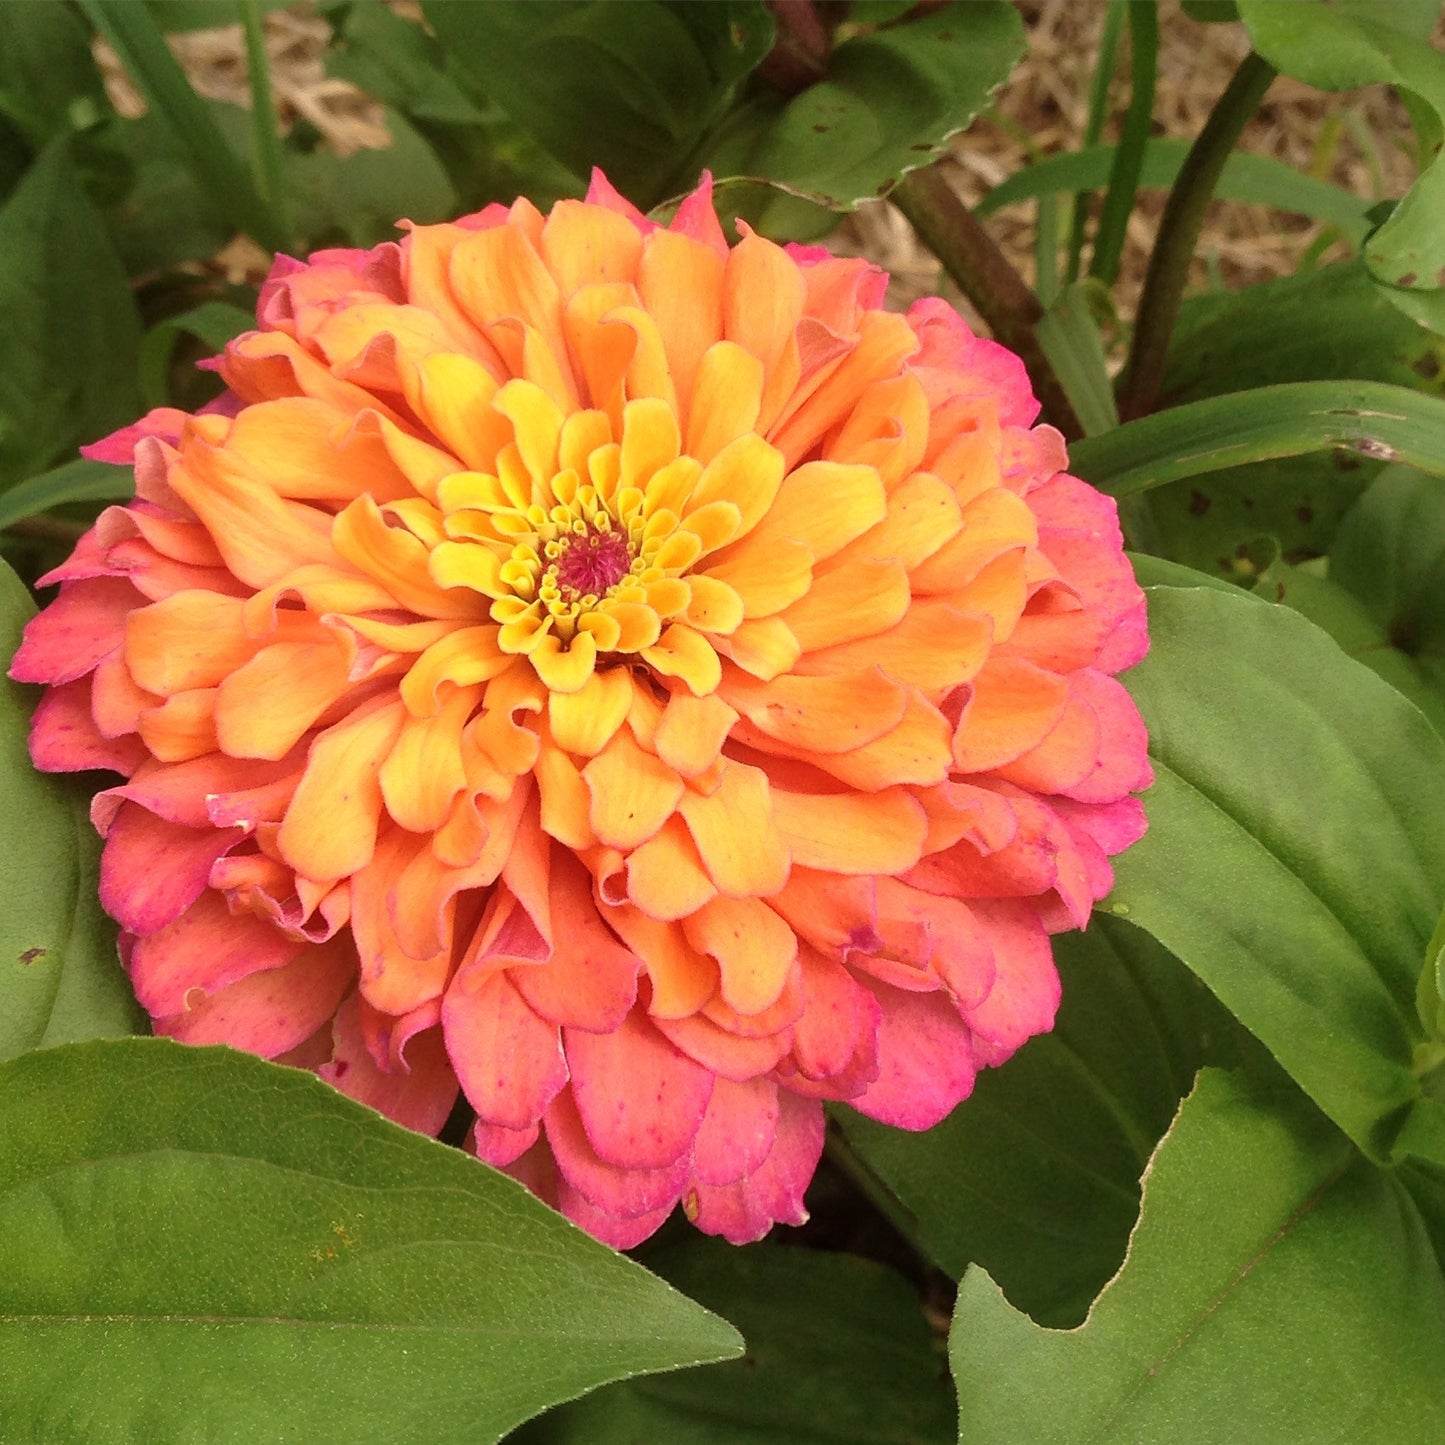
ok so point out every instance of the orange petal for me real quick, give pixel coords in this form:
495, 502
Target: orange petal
264, 708
583, 722
726, 397
681, 652
1013, 707
734, 832
665, 876
190, 639
691, 732
846, 602
768, 578
852, 832
682, 978
680, 281
934, 647
330, 827
764, 647
825, 505
754, 948
424, 771
821, 714
399, 561
582, 245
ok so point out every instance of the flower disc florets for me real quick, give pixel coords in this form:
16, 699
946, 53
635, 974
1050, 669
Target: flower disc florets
633, 681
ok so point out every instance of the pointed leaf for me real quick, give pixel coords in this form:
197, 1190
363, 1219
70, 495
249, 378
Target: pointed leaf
1278, 1289
1295, 857
60, 978
194, 1241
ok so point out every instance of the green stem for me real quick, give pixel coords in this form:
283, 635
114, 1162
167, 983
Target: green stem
1129, 153
1094, 127
969, 255
267, 157
1179, 233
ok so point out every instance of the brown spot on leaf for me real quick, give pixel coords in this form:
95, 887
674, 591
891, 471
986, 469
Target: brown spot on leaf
1427, 366
1199, 504
1306, 515
32, 954
1408, 279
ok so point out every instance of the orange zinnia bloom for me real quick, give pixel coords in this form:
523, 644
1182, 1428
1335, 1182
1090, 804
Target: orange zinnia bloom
636, 682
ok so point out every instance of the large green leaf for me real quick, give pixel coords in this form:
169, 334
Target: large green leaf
1278, 1289
628, 87
1390, 553
75, 481
48, 79
1295, 857
889, 102
1036, 1176
195, 1244
838, 1353
60, 978
1341, 46
1358, 630
68, 327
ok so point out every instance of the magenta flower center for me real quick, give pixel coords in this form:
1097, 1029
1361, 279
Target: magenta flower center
591, 563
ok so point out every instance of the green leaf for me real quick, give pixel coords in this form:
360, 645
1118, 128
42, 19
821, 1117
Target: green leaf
1295, 857
1390, 553
1384, 422
597, 82
69, 327
77, 481
212, 322
1339, 47
1354, 628
164, 217
1257, 180
400, 64
1430, 993
215, 166
1070, 339
1036, 1175
889, 103
49, 83
838, 1353
359, 199
1278, 1289
193, 1240
60, 978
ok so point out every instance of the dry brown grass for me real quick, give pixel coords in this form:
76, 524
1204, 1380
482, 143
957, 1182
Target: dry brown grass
1361, 140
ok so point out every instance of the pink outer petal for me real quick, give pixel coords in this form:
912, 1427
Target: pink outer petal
1025, 995
773, 1193
152, 871
729, 1056
499, 1146
839, 1021
64, 738
119, 447
1113, 827
84, 623
609, 1228
1123, 761
601, 192
210, 790
509, 1061
925, 1060
273, 1009
961, 362
738, 1131
697, 218
419, 1096
206, 948
640, 1099
625, 1193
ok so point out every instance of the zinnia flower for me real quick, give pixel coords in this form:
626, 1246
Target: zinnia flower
638, 683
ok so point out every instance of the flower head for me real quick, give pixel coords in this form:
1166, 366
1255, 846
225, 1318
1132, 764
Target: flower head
638, 683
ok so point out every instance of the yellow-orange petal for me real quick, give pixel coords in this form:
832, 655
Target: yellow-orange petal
265, 707
633, 793
934, 647
680, 282
681, 652
766, 578
764, 647
424, 771
463, 656
564, 669
582, 245
329, 830
726, 399
754, 949
735, 835
821, 714
746, 472
399, 562
665, 876
691, 732
184, 726
584, 721
713, 606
